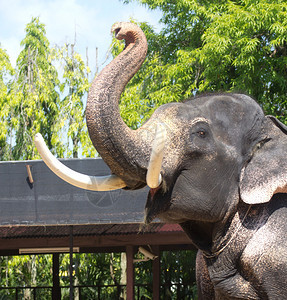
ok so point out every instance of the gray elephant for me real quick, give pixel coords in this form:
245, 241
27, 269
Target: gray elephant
216, 165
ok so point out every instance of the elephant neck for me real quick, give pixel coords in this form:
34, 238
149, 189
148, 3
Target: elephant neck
215, 238
231, 238
227, 233
200, 233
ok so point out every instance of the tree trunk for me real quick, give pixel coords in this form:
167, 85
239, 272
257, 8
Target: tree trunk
123, 280
32, 267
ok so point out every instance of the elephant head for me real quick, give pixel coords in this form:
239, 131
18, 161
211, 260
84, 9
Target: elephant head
202, 156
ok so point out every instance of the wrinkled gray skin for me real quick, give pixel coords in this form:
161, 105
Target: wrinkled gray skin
224, 176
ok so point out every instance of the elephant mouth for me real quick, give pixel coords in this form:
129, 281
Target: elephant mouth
157, 205
153, 191
167, 203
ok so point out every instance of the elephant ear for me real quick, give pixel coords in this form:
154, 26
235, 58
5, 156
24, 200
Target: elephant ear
266, 172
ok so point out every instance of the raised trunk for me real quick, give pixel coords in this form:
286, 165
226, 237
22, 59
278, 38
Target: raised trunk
128, 153
125, 151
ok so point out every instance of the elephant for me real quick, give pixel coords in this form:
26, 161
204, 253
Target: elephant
215, 164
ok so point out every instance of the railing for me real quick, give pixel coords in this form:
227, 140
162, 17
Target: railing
97, 292
18, 292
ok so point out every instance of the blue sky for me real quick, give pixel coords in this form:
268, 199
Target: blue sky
91, 20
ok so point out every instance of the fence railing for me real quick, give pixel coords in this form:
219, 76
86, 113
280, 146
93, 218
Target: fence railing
97, 292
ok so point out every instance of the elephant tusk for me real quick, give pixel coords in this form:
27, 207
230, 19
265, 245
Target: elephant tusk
92, 183
153, 177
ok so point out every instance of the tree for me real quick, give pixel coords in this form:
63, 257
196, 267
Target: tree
31, 103
26, 271
6, 73
72, 114
36, 101
215, 46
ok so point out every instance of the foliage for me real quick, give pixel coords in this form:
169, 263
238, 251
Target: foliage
6, 72
32, 100
35, 100
178, 275
71, 107
215, 46
25, 271
91, 269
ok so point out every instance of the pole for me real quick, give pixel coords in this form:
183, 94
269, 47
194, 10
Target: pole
71, 264
56, 290
130, 272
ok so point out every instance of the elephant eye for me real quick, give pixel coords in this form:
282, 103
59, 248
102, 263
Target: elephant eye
201, 133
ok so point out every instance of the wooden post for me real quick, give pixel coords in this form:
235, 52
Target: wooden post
130, 272
71, 264
56, 290
156, 274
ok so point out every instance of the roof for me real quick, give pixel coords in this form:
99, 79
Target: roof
49, 211
14, 232
51, 201
91, 238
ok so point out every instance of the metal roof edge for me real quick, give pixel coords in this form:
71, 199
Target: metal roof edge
40, 160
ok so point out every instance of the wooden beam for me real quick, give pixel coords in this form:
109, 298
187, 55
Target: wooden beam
104, 241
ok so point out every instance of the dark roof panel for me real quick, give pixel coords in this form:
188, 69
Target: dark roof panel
51, 201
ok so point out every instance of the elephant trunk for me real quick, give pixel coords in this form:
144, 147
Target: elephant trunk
125, 151
128, 153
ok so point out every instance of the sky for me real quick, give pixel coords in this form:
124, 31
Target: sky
87, 21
